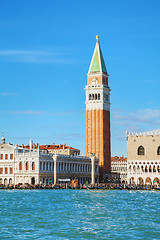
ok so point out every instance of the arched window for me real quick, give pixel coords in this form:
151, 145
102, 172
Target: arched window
134, 168
158, 151
141, 150
89, 96
20, 166
154, 169
33, 166
40, 165
98, 96
27, 168
146, 169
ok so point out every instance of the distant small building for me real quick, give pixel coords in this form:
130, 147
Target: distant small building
143, 154
119, 165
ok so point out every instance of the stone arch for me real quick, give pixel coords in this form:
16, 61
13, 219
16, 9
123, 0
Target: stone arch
33, 180
1, 181
132, 180
156, 180
5, 181
142, 168
141, 150
158, 169
148, 181
10, 181
140, 181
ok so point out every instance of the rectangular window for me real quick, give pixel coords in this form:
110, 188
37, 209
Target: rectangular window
6, 156
1, 156
11, 156
6, 170
1, 170
11, 170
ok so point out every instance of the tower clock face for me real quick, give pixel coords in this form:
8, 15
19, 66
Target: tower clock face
94, 81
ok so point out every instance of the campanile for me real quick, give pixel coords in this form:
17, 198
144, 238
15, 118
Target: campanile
98, 111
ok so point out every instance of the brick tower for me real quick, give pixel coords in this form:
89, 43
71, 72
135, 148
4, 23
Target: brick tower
98, 111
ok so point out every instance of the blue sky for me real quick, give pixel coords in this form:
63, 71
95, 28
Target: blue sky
45, 52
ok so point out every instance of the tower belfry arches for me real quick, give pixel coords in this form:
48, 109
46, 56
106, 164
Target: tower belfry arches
98, 111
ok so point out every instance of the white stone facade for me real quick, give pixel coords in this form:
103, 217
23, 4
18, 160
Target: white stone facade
97, 97
20, 165
143, 157
119, 165
79, 167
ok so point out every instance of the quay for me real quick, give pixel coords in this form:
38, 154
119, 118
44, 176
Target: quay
106, 186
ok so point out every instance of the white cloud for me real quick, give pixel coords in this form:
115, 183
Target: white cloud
136, 119
56, 57
4, 94
22, 52
35, 112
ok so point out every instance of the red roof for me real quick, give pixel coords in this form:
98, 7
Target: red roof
116, 159
50, 147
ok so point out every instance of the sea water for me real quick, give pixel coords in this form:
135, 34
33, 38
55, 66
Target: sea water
79, 214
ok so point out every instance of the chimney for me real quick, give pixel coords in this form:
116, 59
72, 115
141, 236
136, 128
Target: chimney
30, 143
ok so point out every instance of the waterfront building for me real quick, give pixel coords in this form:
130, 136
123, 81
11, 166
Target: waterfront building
98, 112
143, 157
37, 166
6, 162
119, 165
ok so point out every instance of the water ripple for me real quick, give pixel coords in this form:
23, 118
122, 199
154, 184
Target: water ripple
79, 214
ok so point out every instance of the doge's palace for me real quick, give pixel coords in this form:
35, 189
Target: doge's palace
143, 157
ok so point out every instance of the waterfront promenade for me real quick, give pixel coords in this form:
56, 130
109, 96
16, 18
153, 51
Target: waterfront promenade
100, 186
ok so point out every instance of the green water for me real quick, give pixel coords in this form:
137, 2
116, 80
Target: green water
79, 214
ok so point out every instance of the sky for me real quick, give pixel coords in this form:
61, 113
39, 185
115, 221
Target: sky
45, 52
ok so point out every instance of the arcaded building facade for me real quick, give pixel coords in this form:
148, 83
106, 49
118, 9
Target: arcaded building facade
19, 165
119, 165
98, 111
143, 157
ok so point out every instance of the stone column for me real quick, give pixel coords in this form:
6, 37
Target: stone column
55, 168
93, 170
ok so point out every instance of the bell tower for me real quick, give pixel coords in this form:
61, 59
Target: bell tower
98, 111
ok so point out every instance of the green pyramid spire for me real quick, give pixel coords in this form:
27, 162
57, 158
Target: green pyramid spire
97, 63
